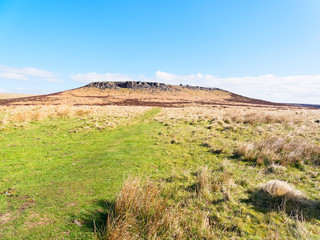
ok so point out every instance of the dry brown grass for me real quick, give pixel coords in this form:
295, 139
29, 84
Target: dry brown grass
143, 211
257, 116
283, 150
82, 112
275, 169
277, 188
301, 231
114, 114
64, 112
140, 212
208, 181
204, 184
139, 199
243, 115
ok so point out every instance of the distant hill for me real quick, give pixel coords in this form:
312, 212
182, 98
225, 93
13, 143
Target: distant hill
142, 94
305, 105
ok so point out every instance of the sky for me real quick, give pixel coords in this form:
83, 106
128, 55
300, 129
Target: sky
266, 49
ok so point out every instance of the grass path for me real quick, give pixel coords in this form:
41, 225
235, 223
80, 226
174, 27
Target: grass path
52, 177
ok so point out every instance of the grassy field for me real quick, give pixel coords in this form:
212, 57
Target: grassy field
143, 173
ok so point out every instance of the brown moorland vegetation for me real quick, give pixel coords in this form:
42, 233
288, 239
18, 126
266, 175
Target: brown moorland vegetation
175, 97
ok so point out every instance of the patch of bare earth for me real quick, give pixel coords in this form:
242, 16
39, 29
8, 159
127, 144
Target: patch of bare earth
12, 215
35, 220
5, 218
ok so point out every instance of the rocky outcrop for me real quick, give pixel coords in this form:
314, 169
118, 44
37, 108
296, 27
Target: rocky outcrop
200, 88
143, 85
130, 84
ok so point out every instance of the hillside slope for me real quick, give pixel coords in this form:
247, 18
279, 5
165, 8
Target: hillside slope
141, 94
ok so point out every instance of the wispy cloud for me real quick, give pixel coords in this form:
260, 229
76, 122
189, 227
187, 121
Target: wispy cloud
300, 88
25, 74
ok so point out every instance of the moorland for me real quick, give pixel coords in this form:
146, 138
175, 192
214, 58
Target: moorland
184, 163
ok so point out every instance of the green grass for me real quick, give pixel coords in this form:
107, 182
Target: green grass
53, 176
60, 176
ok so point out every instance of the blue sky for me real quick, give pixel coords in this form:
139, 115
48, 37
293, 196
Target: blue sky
265, 49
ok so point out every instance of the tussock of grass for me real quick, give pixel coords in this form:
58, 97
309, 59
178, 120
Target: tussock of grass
204, 184
139, 198
275, 169
140, 212
277, 188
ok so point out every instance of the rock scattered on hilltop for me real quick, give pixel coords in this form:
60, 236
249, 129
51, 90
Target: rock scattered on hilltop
143, 85
131, 85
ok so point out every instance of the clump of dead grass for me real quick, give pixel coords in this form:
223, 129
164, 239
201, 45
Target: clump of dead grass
140, 212
214, 181
143, 210
277, 188
82, 112
64, 112
204, 184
